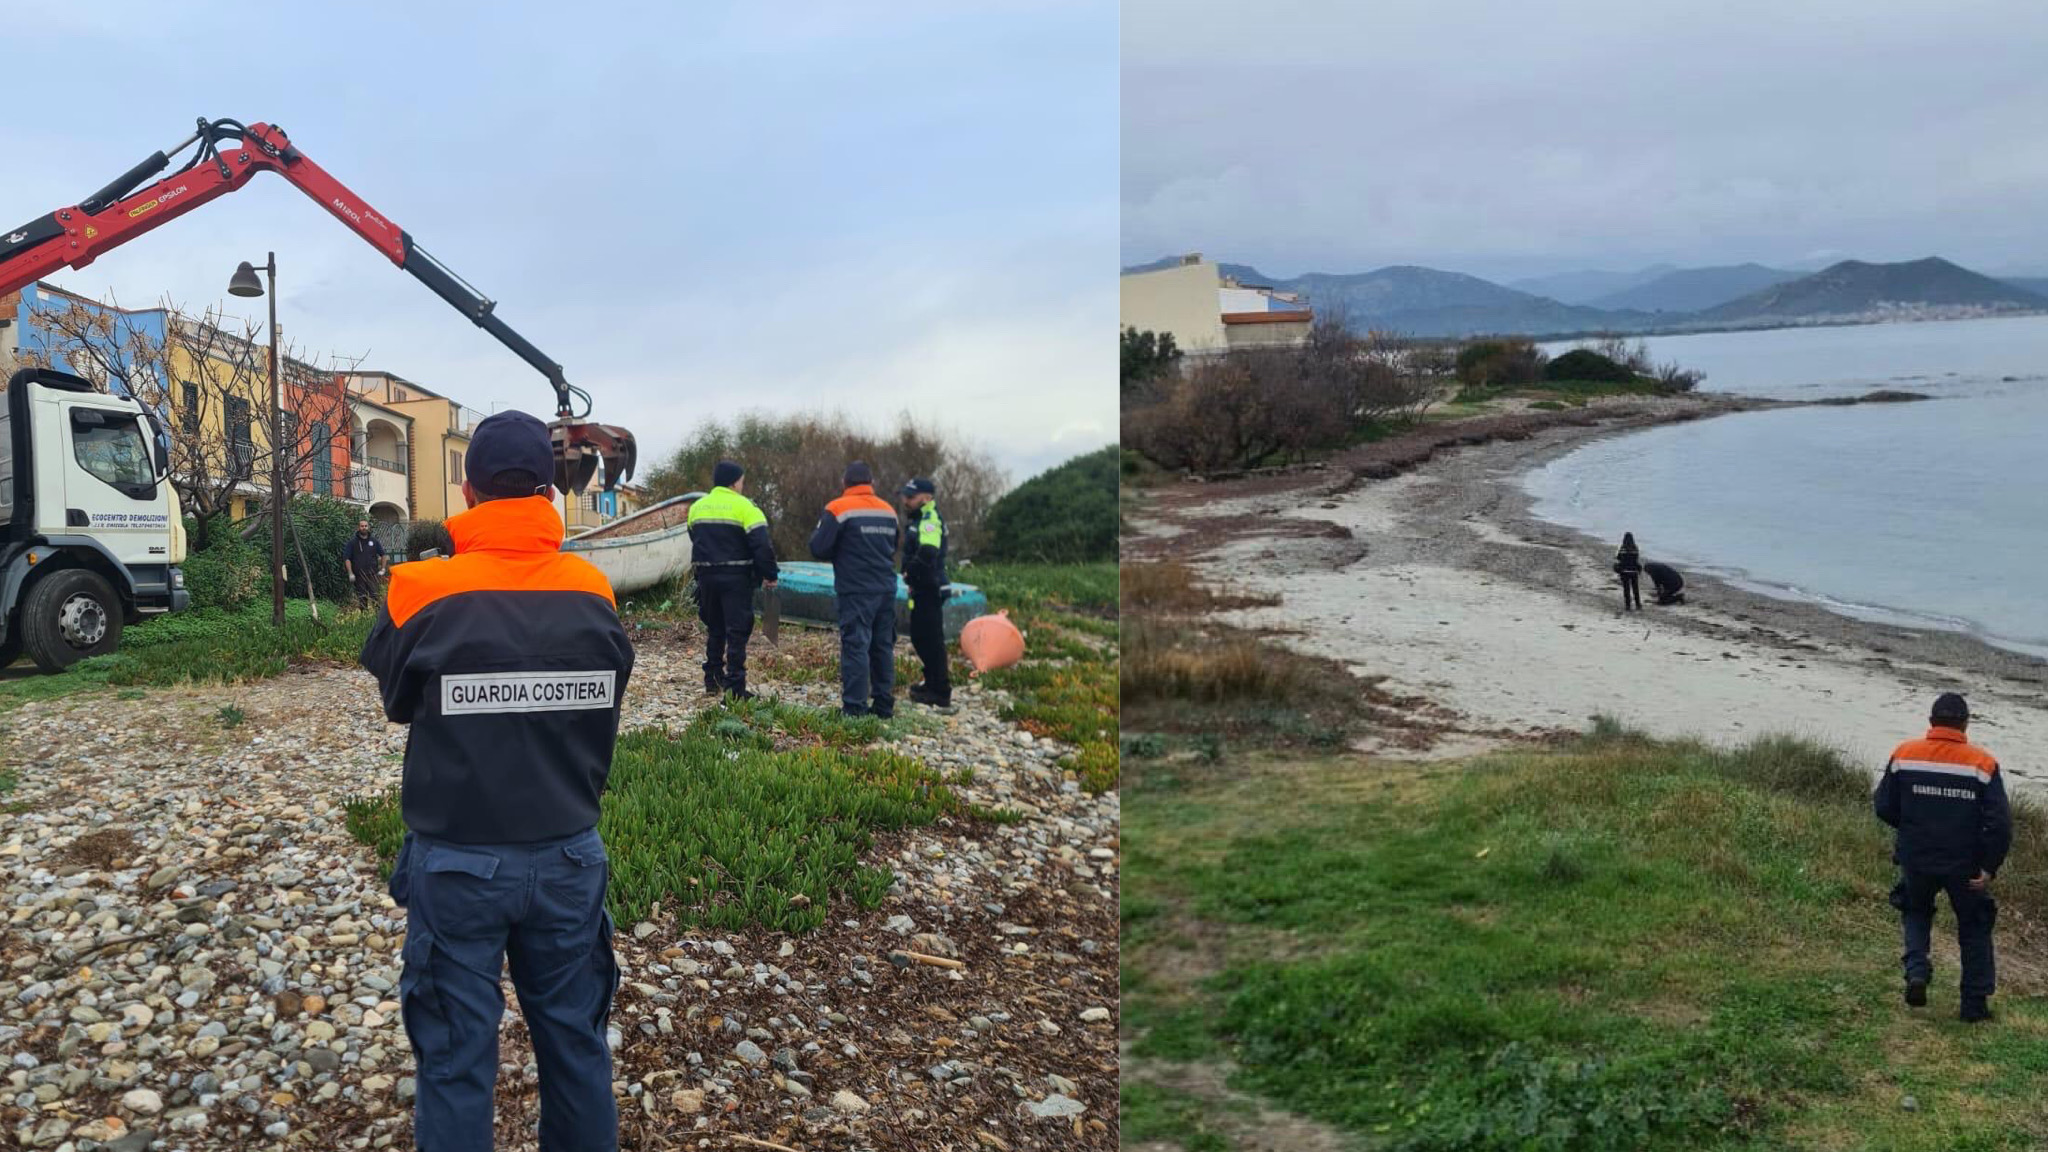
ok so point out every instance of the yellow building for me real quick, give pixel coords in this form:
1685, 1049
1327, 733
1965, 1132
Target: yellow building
1208, 313
431, 455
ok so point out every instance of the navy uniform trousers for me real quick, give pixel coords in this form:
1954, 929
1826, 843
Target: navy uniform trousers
867, 653
725, 603
1976, 913
471, 910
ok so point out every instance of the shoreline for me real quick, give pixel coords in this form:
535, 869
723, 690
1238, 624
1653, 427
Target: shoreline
1442, 579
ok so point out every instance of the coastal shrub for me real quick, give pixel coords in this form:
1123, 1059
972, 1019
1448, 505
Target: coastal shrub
1673, 378
795, 464
1238, 411
229, 574
1261, 406
1504, 363
1144, 357
421, 535
1586, 364
324, 526
1067, 514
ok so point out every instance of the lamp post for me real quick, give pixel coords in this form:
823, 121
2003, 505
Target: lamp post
246, 284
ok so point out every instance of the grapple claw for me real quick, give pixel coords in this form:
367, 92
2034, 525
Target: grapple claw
581, 447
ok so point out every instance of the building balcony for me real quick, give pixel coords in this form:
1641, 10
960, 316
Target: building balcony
386, 463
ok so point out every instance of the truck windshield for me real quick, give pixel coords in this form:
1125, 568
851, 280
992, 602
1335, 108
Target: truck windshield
110, 446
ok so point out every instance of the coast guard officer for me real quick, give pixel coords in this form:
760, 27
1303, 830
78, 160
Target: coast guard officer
509, 662
1947, 799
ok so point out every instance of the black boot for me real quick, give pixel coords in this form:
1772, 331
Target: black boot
1975, 1010
883, 706
739, 692
1916, 993
712, 684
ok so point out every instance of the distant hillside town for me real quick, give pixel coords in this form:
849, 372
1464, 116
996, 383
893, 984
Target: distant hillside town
1173, 294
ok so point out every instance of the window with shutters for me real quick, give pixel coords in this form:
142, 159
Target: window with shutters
323, 456
454, 467
241, 448
188, 410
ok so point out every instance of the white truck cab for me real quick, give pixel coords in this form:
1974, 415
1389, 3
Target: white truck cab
90, 531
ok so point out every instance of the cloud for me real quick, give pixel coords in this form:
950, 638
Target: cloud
1490, 136
696, 209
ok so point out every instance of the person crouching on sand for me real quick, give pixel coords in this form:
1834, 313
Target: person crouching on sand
1628, 564
1947, 799
1669, 584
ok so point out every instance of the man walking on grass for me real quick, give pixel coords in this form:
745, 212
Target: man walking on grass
509, 662
1947, 800
858, 534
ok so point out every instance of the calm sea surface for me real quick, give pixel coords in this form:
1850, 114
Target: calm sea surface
1930, 513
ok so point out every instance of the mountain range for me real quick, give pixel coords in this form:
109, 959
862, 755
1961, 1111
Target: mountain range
1430, 302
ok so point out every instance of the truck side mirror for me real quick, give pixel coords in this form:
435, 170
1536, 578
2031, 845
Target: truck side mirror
159, 441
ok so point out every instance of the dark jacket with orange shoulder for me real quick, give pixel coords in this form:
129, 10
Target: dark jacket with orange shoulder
1947, 798
858, 534
509, 661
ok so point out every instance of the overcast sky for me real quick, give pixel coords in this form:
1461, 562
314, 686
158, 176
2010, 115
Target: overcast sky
1511, 139
697, 209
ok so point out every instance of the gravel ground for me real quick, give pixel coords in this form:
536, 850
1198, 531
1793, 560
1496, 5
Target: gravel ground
196, 954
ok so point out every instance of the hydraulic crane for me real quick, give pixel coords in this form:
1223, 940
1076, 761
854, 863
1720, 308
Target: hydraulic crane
228, 155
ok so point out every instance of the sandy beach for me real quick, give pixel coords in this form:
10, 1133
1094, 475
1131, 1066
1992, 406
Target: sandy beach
1440, 580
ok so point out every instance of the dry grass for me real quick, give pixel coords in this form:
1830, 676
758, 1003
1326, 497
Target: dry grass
1168, 586
101, 850
1165, 662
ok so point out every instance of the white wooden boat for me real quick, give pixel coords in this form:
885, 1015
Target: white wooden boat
643, 549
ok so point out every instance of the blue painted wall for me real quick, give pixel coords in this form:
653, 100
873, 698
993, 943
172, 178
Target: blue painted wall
150, 326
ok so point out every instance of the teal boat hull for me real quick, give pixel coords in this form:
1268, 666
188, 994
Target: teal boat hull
807, 596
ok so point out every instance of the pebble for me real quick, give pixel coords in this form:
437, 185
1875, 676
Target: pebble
255, 1004
144, 1101
1055, 1107
1094, 1015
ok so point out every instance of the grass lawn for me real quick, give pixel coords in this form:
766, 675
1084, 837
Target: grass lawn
759, 813
755, 813
208, 646
1066, 687
1617, 945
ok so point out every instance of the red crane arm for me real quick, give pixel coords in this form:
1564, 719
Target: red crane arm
123, 210
76, 236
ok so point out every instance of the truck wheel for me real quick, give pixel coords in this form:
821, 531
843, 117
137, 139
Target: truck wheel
69, 615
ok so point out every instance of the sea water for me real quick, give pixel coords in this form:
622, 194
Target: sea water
1932, 513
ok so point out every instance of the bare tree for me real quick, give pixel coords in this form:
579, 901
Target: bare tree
209, 380
795, 465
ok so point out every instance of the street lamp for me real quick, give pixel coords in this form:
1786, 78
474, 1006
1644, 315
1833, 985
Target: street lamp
245, 284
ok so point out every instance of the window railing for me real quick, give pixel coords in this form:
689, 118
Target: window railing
359, 485
387, 465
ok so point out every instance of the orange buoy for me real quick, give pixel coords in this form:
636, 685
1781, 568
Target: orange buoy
991, 642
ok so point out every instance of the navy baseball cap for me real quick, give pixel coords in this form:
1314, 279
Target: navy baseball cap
511, 441
920, 484
1951, 706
